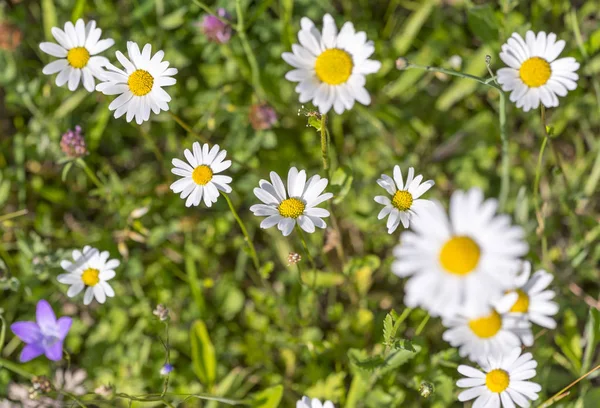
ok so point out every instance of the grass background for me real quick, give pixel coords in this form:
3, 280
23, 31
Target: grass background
314, 342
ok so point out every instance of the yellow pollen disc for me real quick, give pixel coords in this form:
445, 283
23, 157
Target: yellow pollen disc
486, 327
497, 380
334, 66
522, 303
202, 175
460, 255
78, 57
535, 72
90, 276
402, 200
291, 208
140, 82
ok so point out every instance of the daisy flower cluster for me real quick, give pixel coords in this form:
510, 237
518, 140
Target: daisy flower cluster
465, 264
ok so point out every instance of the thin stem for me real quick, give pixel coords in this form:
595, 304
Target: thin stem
324, 142
253, 254
536, 201
505, 177
554, 151
310, 258
12, 215
422, 325
241, 29
559, 394
187, 127
15, 368
90, 173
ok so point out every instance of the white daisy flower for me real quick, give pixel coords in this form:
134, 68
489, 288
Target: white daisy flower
478, 336
90, 269
502, 383
534, 74
405, 200
331, 66
199, 177
529, 298
459, 263
306, 402
299, 208
140, 86
77, 48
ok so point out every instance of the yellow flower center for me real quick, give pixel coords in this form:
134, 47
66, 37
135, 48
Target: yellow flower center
487, 326
78, 57
140, 82
402, 200
535, 72
334, 66
497, 380
460, 255
291, 208
90, 276
202, 175
522, 303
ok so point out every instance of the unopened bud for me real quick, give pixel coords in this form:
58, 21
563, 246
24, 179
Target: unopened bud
262, 116
73, 144
294, 258
41, 383
161, 312
401, 63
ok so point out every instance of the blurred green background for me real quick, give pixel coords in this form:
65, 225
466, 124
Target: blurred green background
324, 342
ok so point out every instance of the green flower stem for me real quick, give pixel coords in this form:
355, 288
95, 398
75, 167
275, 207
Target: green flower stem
15, 368
505, 178
562, 393
241, 29
12, 215
308, 255
324, 142
253, 254
90, 173
187, 127
159, 398
422, 325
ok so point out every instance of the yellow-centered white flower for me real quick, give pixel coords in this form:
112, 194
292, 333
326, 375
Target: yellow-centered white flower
200, 178
140, 85
306, 402
478, 336
297, 205
330, 67
534, 73
90, 270
530, 299
502, 383
405, 200
459, 263
77, 48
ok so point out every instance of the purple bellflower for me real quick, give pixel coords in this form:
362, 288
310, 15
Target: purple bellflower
45, 336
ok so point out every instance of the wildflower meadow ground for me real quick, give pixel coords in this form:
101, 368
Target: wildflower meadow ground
300, 203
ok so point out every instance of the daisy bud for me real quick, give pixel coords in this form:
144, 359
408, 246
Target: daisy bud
73, 144
161, 312
294, 258
166, 369
401, 63
10, 36
426, 389
215, 28
262, 116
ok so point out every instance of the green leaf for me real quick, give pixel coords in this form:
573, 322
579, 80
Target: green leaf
49, 17
174, 19
591, 335
483, 22
341, 183
322, 279
269, 398
332, 388
204, 359
71, 103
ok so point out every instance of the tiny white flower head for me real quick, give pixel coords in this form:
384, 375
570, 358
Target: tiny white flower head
200, 178
90, 270
297, 205
461, 262
502, 383
306, 402
78, 48
529, 298
140, 85
330, 67
405, 200
478, 335
533, 73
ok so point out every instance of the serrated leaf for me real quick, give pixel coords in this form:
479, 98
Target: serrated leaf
204, 359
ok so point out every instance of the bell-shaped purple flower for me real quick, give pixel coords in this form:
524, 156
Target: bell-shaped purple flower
45, 336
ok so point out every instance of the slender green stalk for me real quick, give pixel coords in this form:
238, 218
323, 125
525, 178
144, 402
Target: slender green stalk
554, 151
308, 255
422, 324
254, 68
324, 142
253, 254
491, 82
2, 332
562, 392
187, 127
12, 215
538, 172
90, 173
15, 368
